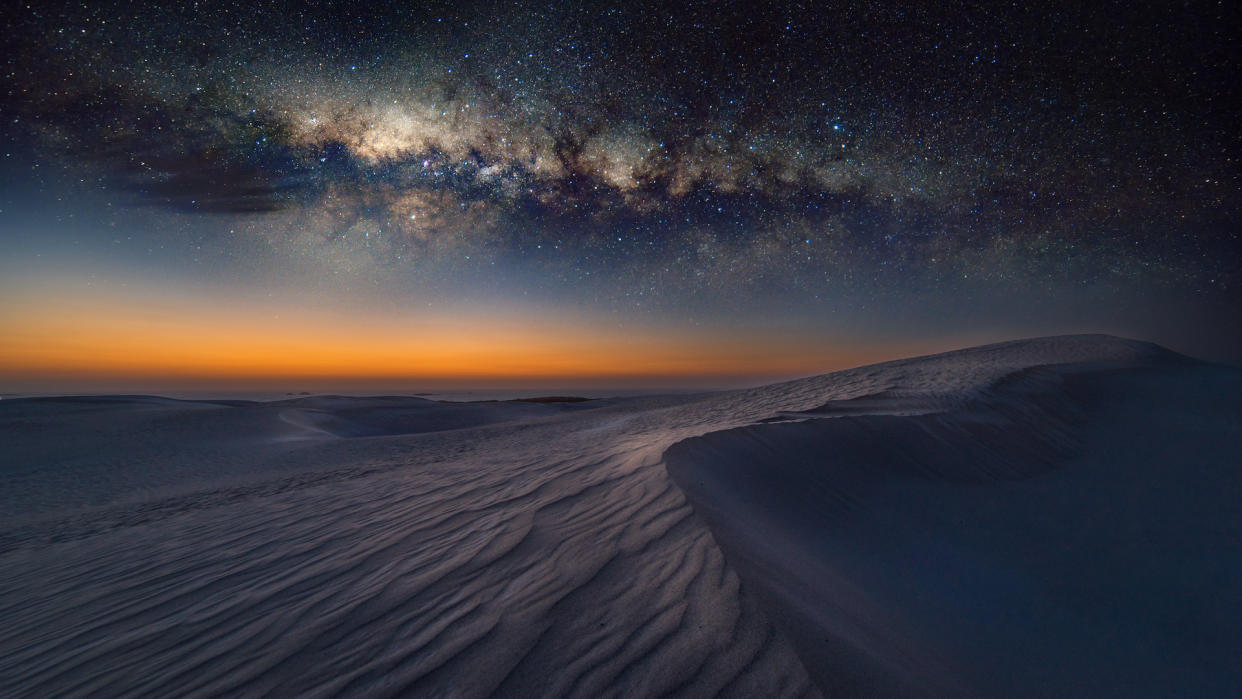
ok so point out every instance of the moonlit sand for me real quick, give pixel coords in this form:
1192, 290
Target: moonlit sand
1052, 517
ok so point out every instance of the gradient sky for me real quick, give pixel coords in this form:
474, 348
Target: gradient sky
233, 196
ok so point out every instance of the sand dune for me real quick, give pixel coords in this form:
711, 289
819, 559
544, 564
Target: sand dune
539, 557
93, 450
1025, 518
1067, 530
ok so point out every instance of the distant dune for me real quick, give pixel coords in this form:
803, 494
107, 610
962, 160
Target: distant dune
1050, 517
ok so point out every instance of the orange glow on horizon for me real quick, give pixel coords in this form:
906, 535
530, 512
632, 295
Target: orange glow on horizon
156, 335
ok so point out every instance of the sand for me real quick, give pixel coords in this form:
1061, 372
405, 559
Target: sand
1046, 517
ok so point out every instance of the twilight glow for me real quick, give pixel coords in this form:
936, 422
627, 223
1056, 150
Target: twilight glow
244, 196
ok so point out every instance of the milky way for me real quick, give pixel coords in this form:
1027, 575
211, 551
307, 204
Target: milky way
688, 158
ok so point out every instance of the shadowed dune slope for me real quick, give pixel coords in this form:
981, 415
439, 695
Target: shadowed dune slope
1061, 530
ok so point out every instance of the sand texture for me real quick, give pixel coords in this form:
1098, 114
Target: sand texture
1049, 517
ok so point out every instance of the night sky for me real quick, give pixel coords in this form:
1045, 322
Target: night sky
455, 194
